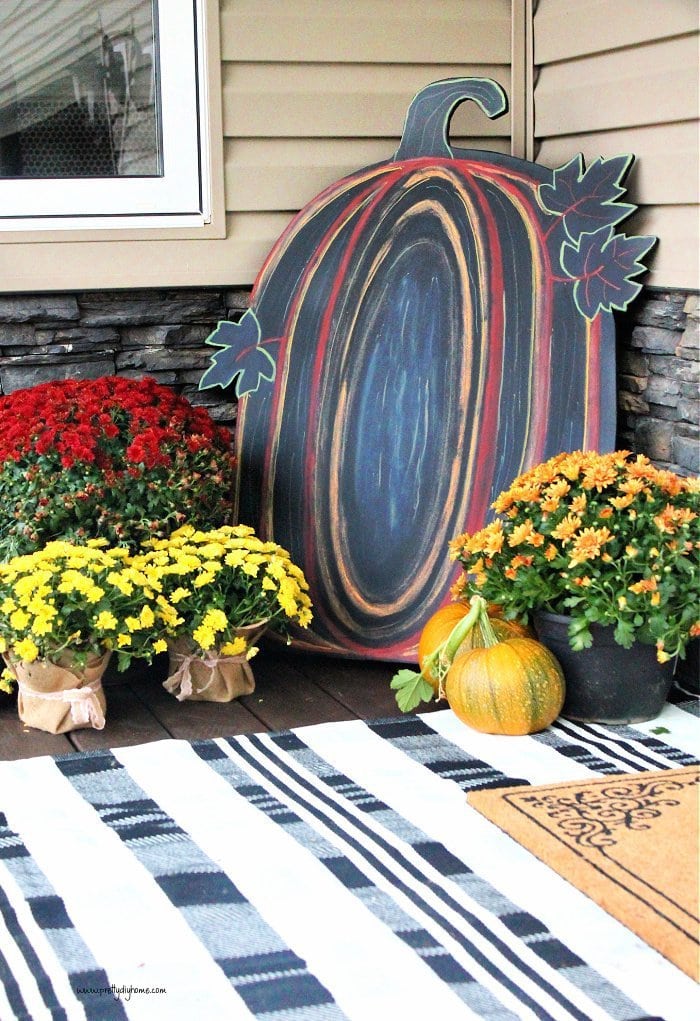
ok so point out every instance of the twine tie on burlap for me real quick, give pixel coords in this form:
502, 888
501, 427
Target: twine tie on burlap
182, 677
85, 709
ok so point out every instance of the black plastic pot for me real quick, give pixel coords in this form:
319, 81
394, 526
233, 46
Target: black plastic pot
606, 683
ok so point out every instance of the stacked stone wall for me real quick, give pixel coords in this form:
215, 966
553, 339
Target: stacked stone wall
658, 364
161, 334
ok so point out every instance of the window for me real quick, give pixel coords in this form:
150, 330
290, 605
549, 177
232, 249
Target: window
102, 115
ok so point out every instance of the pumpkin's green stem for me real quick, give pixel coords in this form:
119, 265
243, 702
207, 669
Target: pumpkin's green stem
487, 633
441, 659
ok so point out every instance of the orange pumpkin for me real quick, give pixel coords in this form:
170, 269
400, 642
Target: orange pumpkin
515, 686
439, 627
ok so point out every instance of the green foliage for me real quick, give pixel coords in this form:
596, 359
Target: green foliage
411, 689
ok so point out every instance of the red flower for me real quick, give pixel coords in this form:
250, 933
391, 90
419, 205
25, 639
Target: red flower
113, 440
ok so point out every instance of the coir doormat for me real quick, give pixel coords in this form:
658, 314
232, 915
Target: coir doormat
629, 842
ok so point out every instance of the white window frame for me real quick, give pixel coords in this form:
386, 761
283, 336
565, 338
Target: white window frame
182, 196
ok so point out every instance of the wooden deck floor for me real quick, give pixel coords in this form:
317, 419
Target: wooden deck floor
292, 689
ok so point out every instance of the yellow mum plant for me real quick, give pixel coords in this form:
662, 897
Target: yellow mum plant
216, 582
85, 598
603, 538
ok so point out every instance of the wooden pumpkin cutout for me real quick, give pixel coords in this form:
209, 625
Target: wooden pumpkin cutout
422, 332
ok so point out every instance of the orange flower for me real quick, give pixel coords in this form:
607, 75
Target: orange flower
645, 585
671, 518
588, 543
631, 486
640, 468
599, 476
526, 492
502, 503
661, 655
606, 512
550, 552
571, 464
525, 533
558, 489
493, 538
579, 503
567, 527
583, 582
620, 502
521, 561
550, 504
553, 494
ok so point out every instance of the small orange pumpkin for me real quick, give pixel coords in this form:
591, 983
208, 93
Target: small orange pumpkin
515, 686
439, 627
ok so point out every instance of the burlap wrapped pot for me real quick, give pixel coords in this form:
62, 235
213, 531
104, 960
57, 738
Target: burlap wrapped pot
210, 677
60, 696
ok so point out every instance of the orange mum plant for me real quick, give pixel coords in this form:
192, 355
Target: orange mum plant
603, 538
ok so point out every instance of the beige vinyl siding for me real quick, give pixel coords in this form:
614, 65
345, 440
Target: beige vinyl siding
311, 90
621, 76
319, 88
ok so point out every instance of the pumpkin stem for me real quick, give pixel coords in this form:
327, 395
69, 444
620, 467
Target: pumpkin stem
425, 131
441, 660
488, 635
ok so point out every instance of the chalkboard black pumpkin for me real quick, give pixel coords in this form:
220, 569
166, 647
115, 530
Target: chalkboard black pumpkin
423, 331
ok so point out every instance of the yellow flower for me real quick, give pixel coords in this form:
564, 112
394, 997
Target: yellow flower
26, 650
215, 619
106, 621
146, 617
120, 582
179, 594
203, 579
43, 625
204, 636
234, 648
123, 641
19, 620
160, 645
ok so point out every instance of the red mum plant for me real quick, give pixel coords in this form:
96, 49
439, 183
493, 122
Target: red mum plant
127, 460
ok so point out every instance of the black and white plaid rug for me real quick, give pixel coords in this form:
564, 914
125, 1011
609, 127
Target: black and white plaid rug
330, 872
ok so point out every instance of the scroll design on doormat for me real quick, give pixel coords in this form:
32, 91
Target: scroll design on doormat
592, 818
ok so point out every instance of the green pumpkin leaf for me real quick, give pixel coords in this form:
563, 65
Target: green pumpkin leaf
411, 689
660, 730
